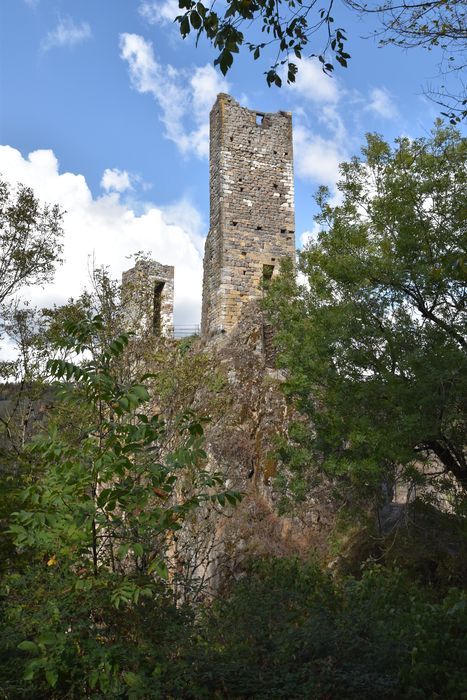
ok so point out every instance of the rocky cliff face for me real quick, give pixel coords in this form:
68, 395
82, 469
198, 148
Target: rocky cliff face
232, 384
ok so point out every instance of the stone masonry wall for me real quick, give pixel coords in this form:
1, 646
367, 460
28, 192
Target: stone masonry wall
252, 208
148, 298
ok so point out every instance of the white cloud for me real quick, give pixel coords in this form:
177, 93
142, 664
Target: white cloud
382, 104
156, 12
110, 230
312, 84
66, 34
181, 99
116, 180
331, 119
317, 158
309, 236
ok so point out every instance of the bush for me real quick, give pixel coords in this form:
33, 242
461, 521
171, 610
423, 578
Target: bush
287, 630
83, 647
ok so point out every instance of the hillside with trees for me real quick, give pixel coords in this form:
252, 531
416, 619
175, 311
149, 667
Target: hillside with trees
185, 520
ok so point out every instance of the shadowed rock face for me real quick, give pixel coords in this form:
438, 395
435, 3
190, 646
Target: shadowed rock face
248, 412
252, 209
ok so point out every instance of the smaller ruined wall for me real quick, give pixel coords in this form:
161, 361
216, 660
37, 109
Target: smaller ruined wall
148, 298
251, 209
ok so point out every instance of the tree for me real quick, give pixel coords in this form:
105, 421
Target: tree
29, 239
428, 25
288, 27
98, 525
375, 342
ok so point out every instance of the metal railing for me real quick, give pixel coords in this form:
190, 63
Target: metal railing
185, 331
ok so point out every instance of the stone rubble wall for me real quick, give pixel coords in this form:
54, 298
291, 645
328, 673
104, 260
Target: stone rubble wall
252, 221
138, 296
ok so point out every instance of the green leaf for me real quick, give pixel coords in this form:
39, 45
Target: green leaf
159, 567
28, 646
93, 678
195, 20
138, 549
185, 26
224, 61
51, 677
140, 391
123, 550
130, 678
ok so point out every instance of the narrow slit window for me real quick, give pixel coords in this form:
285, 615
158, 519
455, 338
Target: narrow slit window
267, 273
259, 119
157, 308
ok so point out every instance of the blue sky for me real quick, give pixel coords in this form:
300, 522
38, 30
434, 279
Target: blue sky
104, 108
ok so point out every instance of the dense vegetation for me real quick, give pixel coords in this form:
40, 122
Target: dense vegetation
103, 466
286, 630
375, 340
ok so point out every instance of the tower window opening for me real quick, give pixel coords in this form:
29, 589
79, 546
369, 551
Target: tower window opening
157, 308
259, 118
267, 273
234, 223
259, 228
283, 230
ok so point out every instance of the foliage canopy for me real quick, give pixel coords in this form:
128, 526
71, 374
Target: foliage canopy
288, 27
375, 341
100, 520
29, 239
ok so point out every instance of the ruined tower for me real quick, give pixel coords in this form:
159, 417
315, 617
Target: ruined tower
148, 297
251, 208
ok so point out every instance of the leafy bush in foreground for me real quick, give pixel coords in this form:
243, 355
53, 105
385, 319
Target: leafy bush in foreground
288, 631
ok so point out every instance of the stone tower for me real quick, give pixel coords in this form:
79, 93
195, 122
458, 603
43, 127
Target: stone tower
148, 298
252, 208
